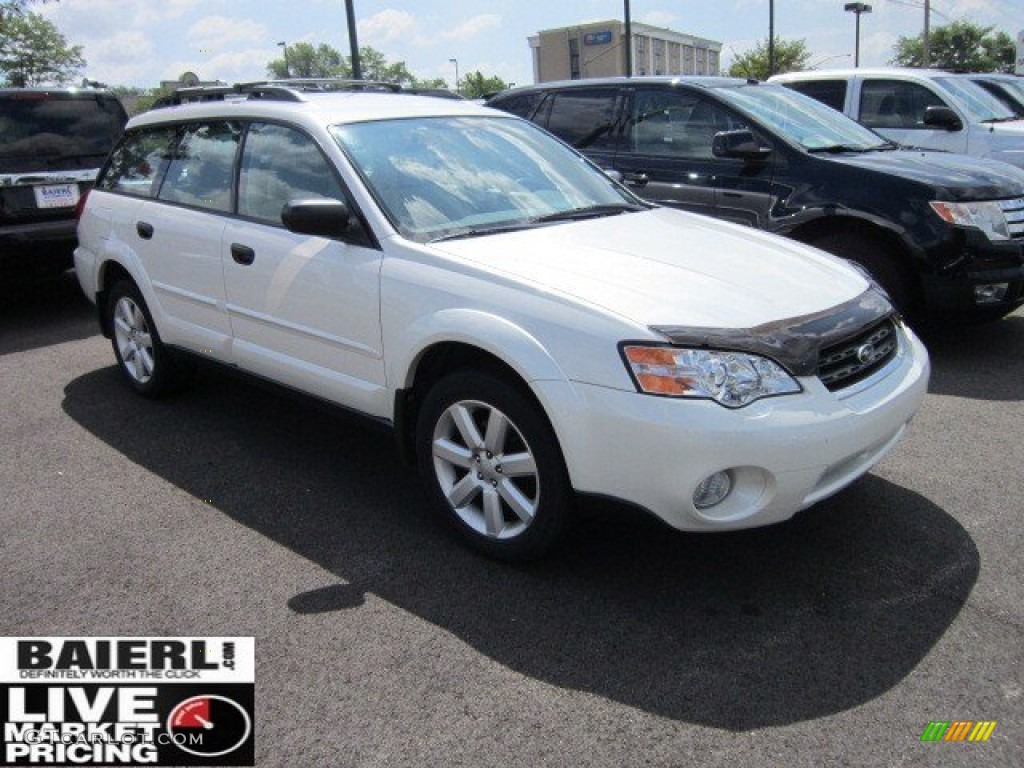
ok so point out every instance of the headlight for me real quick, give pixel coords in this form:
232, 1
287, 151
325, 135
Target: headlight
986, 216
732, 379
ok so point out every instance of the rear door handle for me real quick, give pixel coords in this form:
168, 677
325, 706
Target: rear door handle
636, 179
145, 229
242, 254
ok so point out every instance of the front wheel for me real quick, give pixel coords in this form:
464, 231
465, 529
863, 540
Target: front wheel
493, 466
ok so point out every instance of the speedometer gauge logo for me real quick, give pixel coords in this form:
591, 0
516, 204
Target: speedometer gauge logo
209, 726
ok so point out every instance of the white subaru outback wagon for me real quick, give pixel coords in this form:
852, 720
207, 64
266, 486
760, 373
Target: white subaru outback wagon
531, 330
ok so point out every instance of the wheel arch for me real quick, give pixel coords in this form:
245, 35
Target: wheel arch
109, 273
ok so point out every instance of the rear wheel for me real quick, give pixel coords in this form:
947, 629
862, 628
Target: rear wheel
883, 262
493, 466
143, 359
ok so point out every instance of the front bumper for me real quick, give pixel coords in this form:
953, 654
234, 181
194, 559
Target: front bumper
970, 259
784, 453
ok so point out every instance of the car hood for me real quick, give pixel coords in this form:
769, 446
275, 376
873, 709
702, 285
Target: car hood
667, 267
953, 177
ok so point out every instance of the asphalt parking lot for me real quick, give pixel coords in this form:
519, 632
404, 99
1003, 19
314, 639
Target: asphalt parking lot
234, 510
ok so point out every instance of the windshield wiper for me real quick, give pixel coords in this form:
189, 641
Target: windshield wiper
1009, 119
477, 231
590, 212
837, 148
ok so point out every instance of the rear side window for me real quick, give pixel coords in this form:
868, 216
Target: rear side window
895, 104
54, 130
832, 93
136, 166
281, 164
522, 104
583, 118
201, 169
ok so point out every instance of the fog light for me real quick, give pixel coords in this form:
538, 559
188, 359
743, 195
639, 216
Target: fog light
990, 293
712, 490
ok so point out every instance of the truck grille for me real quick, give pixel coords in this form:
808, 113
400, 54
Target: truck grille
851, 360
1013, 210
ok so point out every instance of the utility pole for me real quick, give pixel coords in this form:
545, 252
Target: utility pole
353, 41
926, 58
629, 42
771, 37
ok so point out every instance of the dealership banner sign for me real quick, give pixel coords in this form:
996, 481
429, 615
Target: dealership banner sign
127, 701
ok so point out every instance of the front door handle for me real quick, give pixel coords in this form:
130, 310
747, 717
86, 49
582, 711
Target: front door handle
145, 229
242, 254
636, 179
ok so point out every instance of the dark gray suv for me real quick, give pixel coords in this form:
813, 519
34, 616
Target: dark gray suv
52, 144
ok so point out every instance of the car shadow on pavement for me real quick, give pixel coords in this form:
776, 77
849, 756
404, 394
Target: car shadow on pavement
735, 631
981, 362
40, 313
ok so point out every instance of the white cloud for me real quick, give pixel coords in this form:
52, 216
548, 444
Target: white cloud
233, 66
126, 46
386, 26
219, 32
470, 28
659, 18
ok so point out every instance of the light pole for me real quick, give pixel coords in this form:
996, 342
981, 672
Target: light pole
629, 39
771, 37
456, 63
287, 69
858, 9
353, 40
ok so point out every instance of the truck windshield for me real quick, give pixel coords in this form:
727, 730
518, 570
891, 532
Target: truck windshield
979, 104
800, 118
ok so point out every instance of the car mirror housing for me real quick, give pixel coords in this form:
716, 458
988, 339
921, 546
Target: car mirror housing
321, 217
741, 144
942, 117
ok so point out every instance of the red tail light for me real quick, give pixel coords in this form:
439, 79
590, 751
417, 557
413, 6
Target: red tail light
80, 205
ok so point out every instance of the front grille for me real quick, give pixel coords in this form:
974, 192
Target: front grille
851, 360
1013, 210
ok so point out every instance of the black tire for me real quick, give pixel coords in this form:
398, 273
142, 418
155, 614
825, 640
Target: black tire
144, 361
884, 264
484, 512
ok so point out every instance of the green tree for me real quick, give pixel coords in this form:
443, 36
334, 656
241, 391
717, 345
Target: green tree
790, 56
33, 51
326, 61
959, 45
476, 86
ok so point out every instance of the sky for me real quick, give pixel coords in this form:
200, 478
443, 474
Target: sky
140, 42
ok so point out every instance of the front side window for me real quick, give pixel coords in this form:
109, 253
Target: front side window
583, 118
281, 164
670, 123
444, 177
137, 164
896, 104
202, 166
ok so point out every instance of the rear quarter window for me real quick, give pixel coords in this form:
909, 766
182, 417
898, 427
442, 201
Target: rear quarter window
522, 105
832, 93
138, 163
583, 118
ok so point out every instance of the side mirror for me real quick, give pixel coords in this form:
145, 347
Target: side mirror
942, 117
322, 217
741, 144
613, 174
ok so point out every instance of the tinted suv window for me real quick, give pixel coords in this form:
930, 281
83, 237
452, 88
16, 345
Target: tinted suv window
521, 104
583, 118
677, 124
42, 130
201, 167
136, 166
281, 164
829, 92
895, 104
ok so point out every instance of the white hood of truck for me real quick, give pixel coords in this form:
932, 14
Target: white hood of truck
667, 267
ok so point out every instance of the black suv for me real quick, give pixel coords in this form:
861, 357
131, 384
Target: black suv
52, 144
942, 233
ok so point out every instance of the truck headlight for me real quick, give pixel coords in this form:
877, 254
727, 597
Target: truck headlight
732, 379
986, 216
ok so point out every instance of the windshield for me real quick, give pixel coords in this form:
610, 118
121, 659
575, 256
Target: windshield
800, 118
979, 104
1010, 92
42, 128
448, 176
